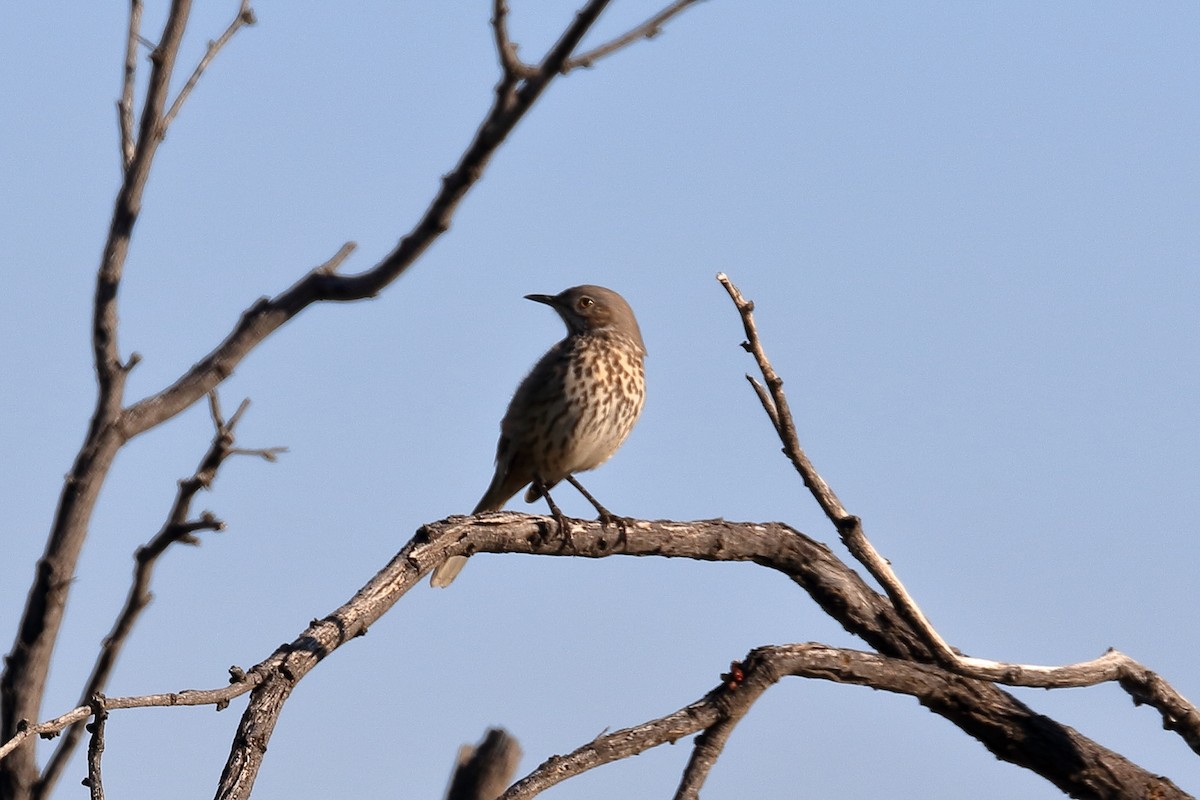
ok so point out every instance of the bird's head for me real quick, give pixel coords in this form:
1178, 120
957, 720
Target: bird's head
593, 309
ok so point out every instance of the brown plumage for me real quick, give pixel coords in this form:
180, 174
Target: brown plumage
574, 408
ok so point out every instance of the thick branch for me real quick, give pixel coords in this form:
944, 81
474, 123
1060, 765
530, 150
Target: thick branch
1003, 724
721, 708
1143, 685
484, 770
711, 741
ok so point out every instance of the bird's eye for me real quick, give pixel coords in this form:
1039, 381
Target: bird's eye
585, 302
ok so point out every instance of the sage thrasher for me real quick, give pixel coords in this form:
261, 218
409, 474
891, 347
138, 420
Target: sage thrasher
574, 408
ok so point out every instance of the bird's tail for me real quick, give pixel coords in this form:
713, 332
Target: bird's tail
447, 571
497, 494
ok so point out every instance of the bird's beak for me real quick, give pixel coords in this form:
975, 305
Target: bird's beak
548, 299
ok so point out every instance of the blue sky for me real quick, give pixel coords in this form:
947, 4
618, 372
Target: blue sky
971, 233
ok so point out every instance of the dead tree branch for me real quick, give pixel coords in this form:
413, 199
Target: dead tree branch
96, 749
484, 770
177, 529
245, 16
125, 104
1004, 725
268, 314
1143, 685
725, 705
240, 682
647, 30
513, 68
22, 683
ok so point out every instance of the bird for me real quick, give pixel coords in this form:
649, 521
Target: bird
572, 411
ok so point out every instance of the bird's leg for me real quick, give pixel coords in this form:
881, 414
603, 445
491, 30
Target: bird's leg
606, 517
564, 530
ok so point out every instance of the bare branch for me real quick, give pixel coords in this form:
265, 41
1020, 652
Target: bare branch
1143, 685
721, 708
240, 683
782, 416
23, 681
483, 771
245, 16
647, 30
267, 315
331, 266
513, 67
125, 104
1003, 724
509, 532
177, 529
96, 748
708, 747
611, 747
764, 398
27, 664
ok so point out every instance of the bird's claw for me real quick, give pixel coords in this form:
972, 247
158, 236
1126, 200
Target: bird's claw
620, 523
564, 529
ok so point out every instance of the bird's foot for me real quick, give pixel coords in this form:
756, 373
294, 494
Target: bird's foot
620, 523
564, 529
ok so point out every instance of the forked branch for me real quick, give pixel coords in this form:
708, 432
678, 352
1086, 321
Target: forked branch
27, 665
240, 682
179, 527
511, 65
1143, 685
129, 80
647, 30
264, 317
244, 16
724, 706
1004, 725
22, 683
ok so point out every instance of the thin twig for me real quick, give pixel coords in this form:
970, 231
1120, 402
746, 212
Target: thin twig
125, 104
331, 266
267, 315
1143, 685
96, 747
177, 529
240, 683
782, 416
506, 50
245, 16
647, 30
